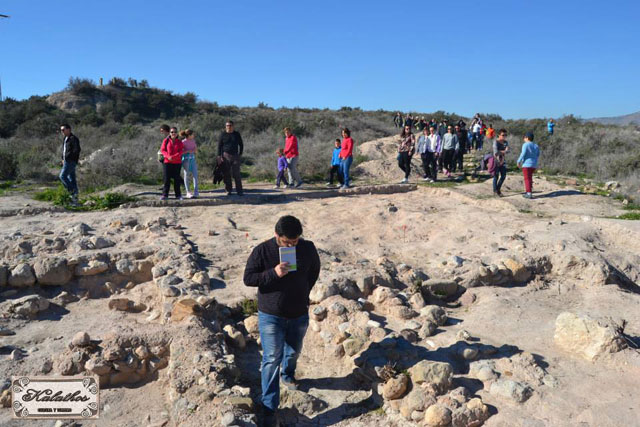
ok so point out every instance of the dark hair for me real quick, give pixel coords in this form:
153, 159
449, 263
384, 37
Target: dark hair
65, 126
165, 128
338, 140
503, 130
404, 133
289, 227
173, 127
229, 122
347, 131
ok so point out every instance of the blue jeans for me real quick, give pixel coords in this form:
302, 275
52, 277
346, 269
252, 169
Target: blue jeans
345, 165
68, 177
190, 166
281, 344
497, 182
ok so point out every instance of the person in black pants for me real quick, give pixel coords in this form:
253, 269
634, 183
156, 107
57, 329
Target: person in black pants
172, 148
459, 156
406, 148
230, 149
500, 149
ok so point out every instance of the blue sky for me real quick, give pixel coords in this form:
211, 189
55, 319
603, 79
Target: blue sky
517, 58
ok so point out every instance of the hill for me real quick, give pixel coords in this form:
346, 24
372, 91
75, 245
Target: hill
628, 119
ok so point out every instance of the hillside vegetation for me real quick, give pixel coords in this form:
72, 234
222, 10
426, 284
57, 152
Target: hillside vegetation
118, 128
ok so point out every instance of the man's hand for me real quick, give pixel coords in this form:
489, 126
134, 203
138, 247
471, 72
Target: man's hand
282, 269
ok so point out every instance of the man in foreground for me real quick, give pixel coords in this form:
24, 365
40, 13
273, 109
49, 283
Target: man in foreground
70, 157
283, 304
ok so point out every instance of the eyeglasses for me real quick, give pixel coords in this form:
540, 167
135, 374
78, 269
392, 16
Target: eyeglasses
173, 132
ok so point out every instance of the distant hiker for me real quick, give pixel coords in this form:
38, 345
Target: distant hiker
490, 134
420, 125
282, 168
189, 163
442, 127
70, 157
550, 125
500, 149
171, 149
283, 306
476, 130
230, 148
335, 164
528, 161
408, 121
397, 120
406, 149
429, 148
450, 144
458, 160
291, 153
346, 157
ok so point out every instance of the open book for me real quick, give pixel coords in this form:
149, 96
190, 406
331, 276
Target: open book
289, 255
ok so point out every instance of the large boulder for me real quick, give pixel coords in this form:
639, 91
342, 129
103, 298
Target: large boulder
437, 416
184, 308
586, 337
512, 390
22, 275
396, 387
52, 271
322, 291
440, 374
28, 306
435, 314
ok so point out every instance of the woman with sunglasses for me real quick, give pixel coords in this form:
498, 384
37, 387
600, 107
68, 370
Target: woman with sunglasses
406, 148
172, 148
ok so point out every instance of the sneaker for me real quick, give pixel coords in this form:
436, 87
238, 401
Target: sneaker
195, 196
163, 198
291, 385
299, 184
328, 184
275, 187
189, 195
425, 179
404, 181
290, 186
430, 180
180, 198
269, 417
527, 196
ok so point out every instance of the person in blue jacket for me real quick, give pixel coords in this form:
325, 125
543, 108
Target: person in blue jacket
528, 161
550, 125
335, 164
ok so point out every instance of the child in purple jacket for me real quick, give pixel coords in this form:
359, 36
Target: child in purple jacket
282, 168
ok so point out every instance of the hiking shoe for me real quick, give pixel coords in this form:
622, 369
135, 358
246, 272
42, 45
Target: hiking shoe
291, 385
527, 196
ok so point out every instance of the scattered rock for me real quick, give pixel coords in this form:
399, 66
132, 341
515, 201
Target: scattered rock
100, 242
396, 387
64, 298
125, 304
322, 291
509, 389
304, 403
126, 266
427, 329
22, 275
518, 270
437, 416
352, 346
337, 309
201, 278
440, 374
28, 306
435, 313
81, 339
440, 288
319, 313
184, 308
586, 337
235, 337
98, 366
251, 324
91, 268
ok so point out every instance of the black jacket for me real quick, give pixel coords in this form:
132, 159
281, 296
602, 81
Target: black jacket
286, 296
230, 143
71, 153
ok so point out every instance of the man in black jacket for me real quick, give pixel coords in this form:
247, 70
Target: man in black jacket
283, 304
230, 149
70, 157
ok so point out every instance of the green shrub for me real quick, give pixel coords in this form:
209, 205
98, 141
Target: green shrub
8, 164
249, 306
59, 196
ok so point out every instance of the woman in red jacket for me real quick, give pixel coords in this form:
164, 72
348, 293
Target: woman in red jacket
172, 148
346, 156
291, 154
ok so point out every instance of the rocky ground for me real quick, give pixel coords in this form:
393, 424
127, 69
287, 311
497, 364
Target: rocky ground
436, 306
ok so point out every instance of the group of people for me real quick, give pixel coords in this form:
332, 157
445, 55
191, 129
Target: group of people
178, 152
442, 146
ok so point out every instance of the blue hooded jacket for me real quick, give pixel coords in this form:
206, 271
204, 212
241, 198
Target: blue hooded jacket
335, 159
529, 155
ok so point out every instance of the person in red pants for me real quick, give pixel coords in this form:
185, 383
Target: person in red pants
528, 161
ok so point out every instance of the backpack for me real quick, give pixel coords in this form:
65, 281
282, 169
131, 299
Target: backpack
491, 165
160, 155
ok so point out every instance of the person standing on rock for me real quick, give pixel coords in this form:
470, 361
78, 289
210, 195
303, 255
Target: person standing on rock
172, 148
291, 153
397, 120
406, 149
346, 157
230, 147
70, 157
500, 149
283, 304
528, 161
